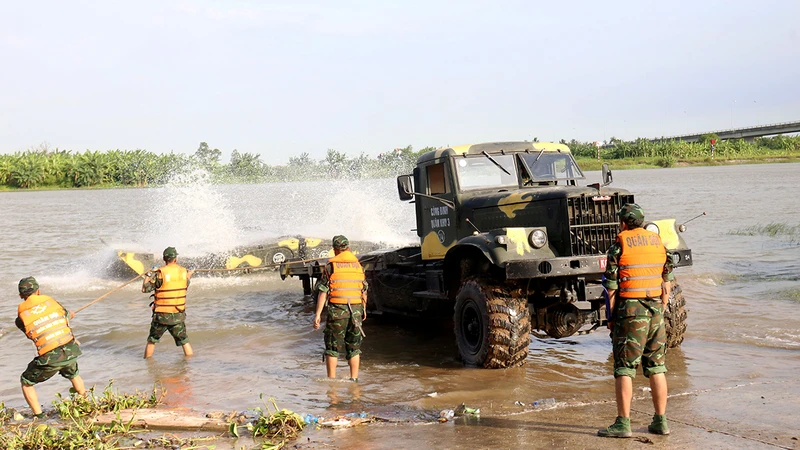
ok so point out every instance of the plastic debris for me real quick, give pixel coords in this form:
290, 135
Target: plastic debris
345, 422
432, 394
464, 410
361, 415
646, 389
544, 403
311, 419
519, 403
339, 422
446, 414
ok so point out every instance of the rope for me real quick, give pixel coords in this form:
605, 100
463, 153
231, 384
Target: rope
264, 267
198, 270
106, 294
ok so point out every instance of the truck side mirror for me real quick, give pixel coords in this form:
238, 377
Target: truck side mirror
607, 177
405, 187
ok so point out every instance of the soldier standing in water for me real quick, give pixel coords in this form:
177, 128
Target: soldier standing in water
170, 283
343, 288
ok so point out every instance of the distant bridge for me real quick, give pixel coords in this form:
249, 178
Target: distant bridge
748, 133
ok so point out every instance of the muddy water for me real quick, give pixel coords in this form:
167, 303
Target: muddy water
253, 335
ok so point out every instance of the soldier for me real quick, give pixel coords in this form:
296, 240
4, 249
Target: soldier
170, 283
46, 323
343, 287
638, 278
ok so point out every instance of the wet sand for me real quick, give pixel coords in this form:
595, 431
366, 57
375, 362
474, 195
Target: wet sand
751, 416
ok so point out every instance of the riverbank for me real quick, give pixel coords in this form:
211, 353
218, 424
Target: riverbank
741, 414
586, 164
744, 414
661, 163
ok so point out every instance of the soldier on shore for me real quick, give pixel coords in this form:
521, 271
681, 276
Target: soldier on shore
46, 323
637, 279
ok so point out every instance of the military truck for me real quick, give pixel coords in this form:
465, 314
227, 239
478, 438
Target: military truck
511, 244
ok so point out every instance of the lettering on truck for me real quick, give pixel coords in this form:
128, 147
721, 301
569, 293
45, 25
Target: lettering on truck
439, 222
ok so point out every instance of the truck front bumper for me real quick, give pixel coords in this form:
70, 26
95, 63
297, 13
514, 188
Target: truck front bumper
682, 258
556, 267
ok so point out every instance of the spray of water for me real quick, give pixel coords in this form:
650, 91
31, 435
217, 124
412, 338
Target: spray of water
191, 214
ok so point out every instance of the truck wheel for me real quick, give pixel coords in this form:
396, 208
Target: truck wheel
492, 328
675, 317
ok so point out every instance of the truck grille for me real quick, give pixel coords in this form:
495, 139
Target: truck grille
593, 223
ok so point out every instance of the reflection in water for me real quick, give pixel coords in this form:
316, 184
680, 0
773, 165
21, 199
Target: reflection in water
176, 381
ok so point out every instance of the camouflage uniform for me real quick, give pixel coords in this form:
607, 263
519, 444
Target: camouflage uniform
342, 329
638, 332
62, 360
163, 322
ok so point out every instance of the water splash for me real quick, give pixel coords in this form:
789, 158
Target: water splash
191, 214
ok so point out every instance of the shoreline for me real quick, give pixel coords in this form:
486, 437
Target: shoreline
587, 165
738, 414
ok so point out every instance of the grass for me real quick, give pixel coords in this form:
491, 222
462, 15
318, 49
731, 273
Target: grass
277, 426
79, 432
772, 229
79, 406
589, 164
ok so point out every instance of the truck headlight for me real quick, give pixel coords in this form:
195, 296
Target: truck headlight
652, 227
538, 238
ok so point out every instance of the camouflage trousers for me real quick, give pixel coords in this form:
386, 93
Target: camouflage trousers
639, 337
342, 330
63, 360
172, 322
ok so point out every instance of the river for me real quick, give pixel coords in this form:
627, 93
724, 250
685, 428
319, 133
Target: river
252, 334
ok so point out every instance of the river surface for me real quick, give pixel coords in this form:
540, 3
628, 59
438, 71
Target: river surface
252, 334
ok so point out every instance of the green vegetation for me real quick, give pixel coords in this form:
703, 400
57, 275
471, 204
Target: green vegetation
77, 406
79, 431
43, 167
278, 426
773, 229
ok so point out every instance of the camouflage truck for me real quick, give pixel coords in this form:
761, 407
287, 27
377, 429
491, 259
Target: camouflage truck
510, 245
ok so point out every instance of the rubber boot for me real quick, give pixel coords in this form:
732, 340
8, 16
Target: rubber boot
659, 425
621, 428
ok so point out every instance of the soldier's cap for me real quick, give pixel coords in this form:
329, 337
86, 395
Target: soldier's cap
28, 286
340, 242
170, 253
631, 212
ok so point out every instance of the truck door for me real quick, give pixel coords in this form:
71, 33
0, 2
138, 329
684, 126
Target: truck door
438, 224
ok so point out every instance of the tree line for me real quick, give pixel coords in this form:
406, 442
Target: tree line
46, 167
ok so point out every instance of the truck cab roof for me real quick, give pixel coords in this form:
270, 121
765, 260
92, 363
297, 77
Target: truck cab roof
493, 148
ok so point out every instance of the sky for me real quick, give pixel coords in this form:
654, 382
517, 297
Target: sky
283, 78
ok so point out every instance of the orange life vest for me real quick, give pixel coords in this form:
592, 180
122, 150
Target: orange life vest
347, 279
45, 323
171, 296
641, 263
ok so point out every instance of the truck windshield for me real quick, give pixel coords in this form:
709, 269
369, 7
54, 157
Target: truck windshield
480, 172
552, 166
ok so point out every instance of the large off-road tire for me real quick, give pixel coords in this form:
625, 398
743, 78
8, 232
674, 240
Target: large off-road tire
675, 317
492, 328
